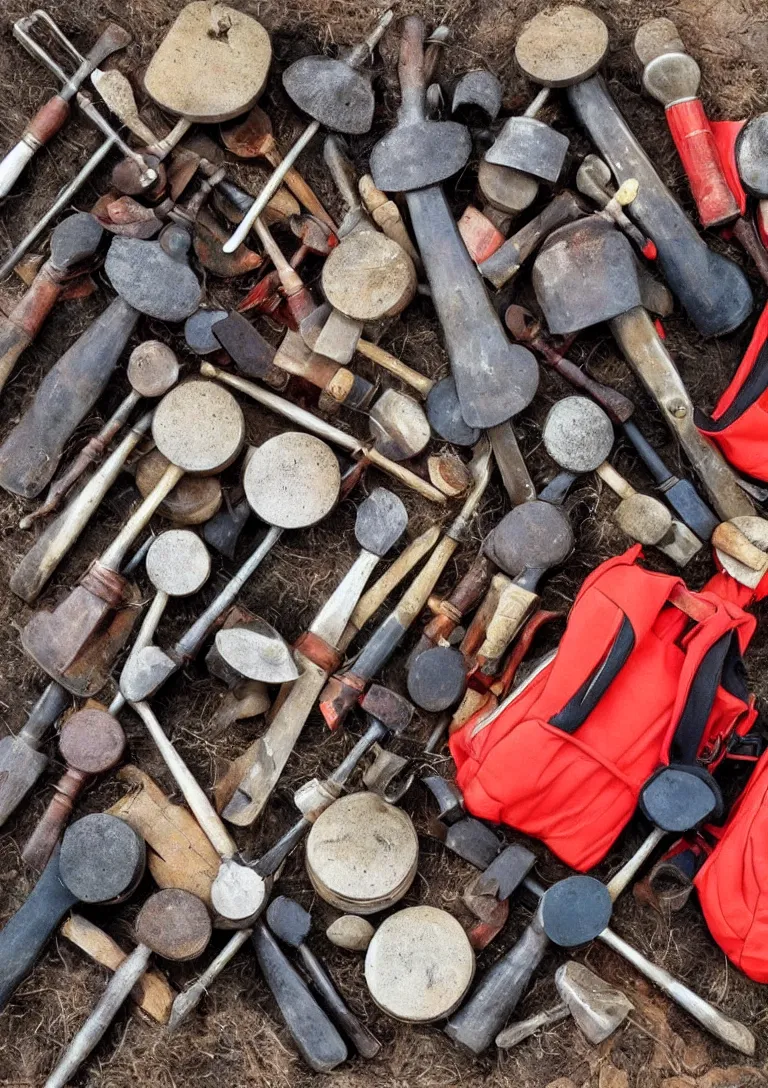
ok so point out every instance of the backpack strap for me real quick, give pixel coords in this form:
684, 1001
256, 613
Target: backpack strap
583, 702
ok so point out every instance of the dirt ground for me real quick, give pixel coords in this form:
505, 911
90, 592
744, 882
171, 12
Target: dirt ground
237, 1037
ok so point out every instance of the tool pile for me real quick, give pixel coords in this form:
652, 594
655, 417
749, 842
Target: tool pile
565, 729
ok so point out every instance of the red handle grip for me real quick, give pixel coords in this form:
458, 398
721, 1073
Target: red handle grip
697, 149
49, 119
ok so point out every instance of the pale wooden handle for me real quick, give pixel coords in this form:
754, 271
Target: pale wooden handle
728, 538
417, 594
152, 992
615, 480
405, 373
514, 607
405, 476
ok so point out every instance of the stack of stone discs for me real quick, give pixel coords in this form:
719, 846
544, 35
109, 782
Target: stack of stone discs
362, 854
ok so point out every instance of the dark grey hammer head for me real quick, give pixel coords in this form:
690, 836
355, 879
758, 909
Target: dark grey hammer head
387, 707
332, 93
585, 274
102, 858
288, 920
151, 280
74, 240
381, 521
437, 678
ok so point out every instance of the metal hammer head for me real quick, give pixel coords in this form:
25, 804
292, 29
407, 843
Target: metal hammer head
387, 707
288, 920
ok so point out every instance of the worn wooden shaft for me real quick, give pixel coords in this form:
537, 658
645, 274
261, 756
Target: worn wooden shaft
95, 1027
21, 326
608, 474
420, 382
190, 998
626, 874
113, 557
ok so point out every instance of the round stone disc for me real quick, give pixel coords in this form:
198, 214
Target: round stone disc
238, 892
577, 434
506, 189
575, 910
193, 500
445, 418
560, 47
644, 518
292, 480
679, 799
212, 64
362, 850
756, 531
153, 368
655, 37
368, 276
178, 563
174, 924
437, 678
535, 535
101, 859
92, 741
419, 964
199, 426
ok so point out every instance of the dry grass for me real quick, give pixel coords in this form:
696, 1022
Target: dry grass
237, 1037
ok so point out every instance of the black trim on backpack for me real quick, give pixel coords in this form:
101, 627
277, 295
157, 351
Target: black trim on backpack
583, 702
701, 696
752, 389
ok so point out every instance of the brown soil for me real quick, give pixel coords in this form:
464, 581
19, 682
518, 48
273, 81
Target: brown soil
237, 1037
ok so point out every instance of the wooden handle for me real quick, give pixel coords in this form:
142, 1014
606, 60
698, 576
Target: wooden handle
318, 1041
405, 476
152, 992
24, 936
306, 196
31, 453
514, 607
621, 487
696, 147
728, 538
506, 262
21, 326
40, 844
386, 361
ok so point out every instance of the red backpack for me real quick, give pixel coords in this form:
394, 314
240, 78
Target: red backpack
635, 683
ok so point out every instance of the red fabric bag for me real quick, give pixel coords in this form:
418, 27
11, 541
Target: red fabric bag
634, 684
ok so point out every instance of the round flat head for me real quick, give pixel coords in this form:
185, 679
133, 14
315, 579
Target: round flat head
671, 78
197, 331
577, 434
92, 741
288, 920
644, 518
153, 369
193, 500
292, 480
679, 798
75, 239
381, 520
533, 536
212, 64
102, 858
756, 531
332, 93
258, 652
178, 563
751, 152
398, 426
199, 426
174, 924
151, 280
561, 47
575, 910
505, 189
368, 276
445, 418
437, 678
419, 964
238, 893
363, 852
655, 37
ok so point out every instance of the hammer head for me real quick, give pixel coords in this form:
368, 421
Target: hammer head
288, 920
387, 707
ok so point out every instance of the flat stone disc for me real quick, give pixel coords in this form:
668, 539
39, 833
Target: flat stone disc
212, 64
101, 859
445, 418
368, 276
153, 368
560, 47
292, 480
437, 678
174, 923
575, 910
678, 799
578, 434
505, 189
178, 563
152, 281
655, 37
756, 531
199, 426
362, 851
194, 499
419, 965
92, 741
238, 893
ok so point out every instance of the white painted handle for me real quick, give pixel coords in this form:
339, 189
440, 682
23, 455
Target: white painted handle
13, 165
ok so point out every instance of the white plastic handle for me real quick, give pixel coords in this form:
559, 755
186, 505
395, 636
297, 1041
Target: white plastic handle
12, 166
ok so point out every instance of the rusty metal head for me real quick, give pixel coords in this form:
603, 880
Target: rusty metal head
209, 238
313, 233
249, 137
385, 706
